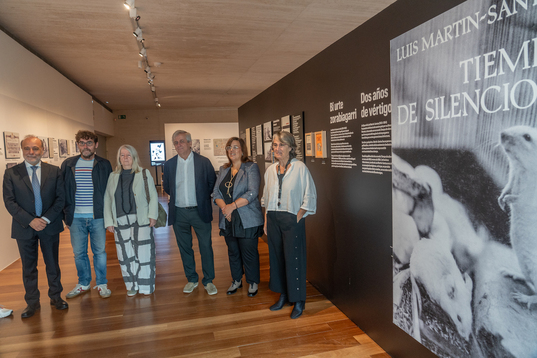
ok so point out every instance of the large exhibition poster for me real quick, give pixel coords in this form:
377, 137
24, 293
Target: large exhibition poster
464, 118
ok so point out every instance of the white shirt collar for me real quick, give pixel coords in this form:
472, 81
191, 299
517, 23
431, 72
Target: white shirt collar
29, 166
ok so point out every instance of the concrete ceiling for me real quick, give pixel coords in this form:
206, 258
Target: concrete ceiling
214, 53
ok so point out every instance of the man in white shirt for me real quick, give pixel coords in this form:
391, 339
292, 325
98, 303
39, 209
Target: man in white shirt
189, 180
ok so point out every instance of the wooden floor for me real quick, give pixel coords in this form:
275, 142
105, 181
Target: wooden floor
170, 323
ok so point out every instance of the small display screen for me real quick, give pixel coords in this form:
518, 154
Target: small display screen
157, 152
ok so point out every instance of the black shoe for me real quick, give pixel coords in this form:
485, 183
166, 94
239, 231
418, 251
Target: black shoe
29, 311
298, 309
59, 303
282, 301
234, 286
252, 290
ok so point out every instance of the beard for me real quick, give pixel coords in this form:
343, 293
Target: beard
87, 153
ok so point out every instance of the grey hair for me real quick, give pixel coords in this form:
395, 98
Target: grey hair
289, 139
136, 168
180, 131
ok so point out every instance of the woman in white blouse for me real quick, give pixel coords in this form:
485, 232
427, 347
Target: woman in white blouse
288, 197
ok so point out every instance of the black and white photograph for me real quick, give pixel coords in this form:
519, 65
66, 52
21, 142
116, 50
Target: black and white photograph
44, 140
196, 146
62, 147
464, 111
269, 154
267, 131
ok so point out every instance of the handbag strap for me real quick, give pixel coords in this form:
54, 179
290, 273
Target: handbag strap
146, 186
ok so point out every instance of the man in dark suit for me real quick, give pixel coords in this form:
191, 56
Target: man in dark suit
34, 195
189, 180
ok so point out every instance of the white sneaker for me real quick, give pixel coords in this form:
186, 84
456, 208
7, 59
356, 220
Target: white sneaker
190, 287
132, 293
103, 290
211, 289
79, 289
4, 312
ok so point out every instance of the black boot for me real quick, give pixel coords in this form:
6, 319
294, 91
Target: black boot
298, 309
282, 301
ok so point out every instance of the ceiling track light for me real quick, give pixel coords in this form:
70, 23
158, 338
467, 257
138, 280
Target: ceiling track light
144, 63
137, 33
129, 4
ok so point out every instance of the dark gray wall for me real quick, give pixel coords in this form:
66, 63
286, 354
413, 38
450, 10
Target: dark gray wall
349, 239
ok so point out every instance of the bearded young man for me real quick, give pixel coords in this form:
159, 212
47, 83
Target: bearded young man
86, 176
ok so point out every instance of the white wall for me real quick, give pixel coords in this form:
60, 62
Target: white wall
36, 99
202, 131
141, 126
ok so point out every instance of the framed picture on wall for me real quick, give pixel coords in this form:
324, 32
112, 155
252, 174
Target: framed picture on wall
51, 145
320, 144
62, 147
219, 147
12, 145
267, 131
286, 123
44, 140
196, 146
309, 144
269, 154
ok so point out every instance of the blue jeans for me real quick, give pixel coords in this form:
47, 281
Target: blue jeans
80, 228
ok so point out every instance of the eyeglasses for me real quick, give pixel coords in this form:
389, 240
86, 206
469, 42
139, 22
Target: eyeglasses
228, 148
86, 144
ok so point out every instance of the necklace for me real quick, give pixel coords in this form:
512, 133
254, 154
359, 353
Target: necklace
229, 184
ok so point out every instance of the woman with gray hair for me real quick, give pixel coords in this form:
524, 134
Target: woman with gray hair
130, 215
288, 197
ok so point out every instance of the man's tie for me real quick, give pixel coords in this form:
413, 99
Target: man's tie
37, 192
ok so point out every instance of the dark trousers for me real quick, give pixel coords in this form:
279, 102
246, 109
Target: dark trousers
243, 253
185, 220
28, 250
287, 253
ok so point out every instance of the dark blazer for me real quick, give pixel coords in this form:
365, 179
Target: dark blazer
246, 186
20, 203
99, 175
204, 177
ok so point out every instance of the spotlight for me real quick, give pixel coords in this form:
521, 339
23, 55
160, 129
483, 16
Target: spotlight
137, 18
129, 4
152, 88
147, 69
156, 99
132, 13
158, 104
143, 52
137, 33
